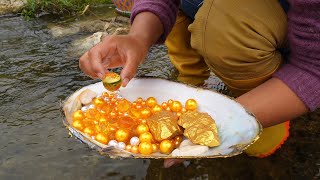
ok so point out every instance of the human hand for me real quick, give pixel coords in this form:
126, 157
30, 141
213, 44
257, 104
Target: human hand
126, 51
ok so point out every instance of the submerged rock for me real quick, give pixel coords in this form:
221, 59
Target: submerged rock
11, 6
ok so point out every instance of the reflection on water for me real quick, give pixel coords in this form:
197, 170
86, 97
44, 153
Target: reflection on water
36, 74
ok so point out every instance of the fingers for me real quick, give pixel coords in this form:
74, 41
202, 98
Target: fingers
170, 162
130, 68
85, 66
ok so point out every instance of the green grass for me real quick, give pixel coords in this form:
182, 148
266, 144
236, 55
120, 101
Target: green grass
60, 7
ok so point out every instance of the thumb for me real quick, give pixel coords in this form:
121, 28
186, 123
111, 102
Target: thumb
129, 69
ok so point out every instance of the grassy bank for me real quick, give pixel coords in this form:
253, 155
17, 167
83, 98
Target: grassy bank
60, 7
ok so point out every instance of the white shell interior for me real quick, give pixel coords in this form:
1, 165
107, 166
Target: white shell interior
237, 128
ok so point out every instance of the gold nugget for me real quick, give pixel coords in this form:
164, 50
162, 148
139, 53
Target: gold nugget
163, 125
200, 128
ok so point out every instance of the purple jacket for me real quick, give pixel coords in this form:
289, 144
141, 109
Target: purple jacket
302, 73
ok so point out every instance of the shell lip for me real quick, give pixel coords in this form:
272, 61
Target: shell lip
104, 151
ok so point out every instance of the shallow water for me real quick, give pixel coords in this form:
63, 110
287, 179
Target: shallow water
36, 74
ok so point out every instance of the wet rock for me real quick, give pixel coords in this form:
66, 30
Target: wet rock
112, 26
11, 6
80, 46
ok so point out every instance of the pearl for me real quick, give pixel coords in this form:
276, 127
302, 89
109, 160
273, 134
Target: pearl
134, 141
113, 143
84, 108
91, 106
122, 145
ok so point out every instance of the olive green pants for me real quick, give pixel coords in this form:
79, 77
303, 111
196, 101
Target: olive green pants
238, 41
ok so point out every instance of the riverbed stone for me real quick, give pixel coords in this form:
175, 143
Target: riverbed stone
11, 6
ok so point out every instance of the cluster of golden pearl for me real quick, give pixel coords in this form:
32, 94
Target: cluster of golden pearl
114, 121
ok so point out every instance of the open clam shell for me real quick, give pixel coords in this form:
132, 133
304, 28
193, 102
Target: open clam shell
237, 128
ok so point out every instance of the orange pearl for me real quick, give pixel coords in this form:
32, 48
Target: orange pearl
78, 115
102, 120
170, 101
135, 113
105, 94
138, 106
155, 148
178, 138
113, 114
164, 105
166, 147
156, 108
142, 128
135, 149
143, 103
89, 130
98, 102
122, 135
168, 109
78, 125
102, 138
183, 110
176, 144
146, 137
151, 102
191, 104
123, 105
145, 148
92, 113
139, 100
145, 113
128, 148
176, 106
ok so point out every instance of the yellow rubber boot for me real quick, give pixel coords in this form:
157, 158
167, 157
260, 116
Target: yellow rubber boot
191, 66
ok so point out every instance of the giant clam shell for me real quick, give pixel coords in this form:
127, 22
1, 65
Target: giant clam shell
237, 128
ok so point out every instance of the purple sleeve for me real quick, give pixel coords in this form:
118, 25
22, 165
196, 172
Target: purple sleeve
166, 10
302, 73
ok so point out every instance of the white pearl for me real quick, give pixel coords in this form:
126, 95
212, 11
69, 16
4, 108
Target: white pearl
91, 106
134, 141
122, 145
84, 108
113, 143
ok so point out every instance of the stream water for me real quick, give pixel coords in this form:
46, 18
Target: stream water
36, 74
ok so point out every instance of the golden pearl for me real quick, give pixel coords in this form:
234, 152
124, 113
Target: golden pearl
128, 148
143, 121
176, 143
164, 105
178, 114
151, 102
102, 138
170, 101
156, 108
78, 115
145, 148
111, 81
98, 102
135, 149
89, 130
146, 137
122, 135
142, 128
176, 106
78, 125
139, 100
123, 105
145, 113
191, 104
178, 138
183, 110
166, 147
155, 148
